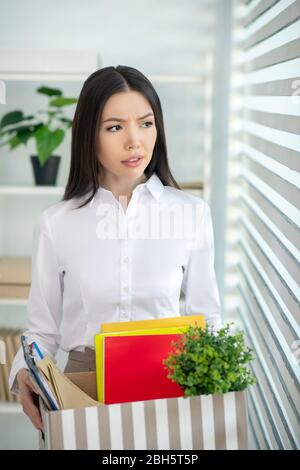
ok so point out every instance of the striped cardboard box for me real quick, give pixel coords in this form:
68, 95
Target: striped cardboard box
202, 422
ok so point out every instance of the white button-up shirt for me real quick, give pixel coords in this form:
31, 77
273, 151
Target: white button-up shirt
103, 263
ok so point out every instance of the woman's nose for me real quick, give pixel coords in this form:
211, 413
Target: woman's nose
133, 138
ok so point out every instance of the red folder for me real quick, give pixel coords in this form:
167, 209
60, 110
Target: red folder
133, 368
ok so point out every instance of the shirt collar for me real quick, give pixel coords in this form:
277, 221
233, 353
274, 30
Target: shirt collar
153, 184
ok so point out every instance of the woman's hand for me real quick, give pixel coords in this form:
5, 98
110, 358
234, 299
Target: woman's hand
28, 398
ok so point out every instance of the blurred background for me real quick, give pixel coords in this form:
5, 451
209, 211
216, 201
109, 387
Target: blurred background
228, 76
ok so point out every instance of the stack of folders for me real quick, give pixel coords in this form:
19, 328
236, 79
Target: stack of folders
129, 359
55, 388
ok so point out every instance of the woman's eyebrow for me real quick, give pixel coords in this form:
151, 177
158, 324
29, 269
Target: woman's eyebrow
124, 120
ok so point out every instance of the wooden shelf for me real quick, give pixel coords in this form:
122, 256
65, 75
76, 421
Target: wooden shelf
193, 185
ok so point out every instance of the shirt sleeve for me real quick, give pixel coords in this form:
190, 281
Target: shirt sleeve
44, 306
199, 280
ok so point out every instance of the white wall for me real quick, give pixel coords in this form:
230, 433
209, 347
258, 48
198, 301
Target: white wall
157, 37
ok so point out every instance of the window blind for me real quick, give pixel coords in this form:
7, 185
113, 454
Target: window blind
263, 217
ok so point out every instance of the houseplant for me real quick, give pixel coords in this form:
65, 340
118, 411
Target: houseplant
48, 133
206, 362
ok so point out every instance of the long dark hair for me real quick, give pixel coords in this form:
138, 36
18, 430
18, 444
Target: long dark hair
97, 89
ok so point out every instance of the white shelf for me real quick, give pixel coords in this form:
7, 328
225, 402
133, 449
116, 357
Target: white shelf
73, 77
32, 190
48, 64
10, 408
13, 302
177, 78
37, 77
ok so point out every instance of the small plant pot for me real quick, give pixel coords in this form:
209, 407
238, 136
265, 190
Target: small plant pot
45, 175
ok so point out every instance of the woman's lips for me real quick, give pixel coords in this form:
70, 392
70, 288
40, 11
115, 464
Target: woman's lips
133, 164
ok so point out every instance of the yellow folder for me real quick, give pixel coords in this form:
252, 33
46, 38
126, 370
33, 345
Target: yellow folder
156, 323
99, 348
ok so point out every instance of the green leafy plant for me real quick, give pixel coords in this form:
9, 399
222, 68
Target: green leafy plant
16, 128
208, 362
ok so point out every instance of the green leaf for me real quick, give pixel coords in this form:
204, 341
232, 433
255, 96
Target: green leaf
13, 133
21, 134
210, 362
26, 132
14, 142
60, 102
11, 118
53, 113
67, 121
47, 141
19, 128
49, 91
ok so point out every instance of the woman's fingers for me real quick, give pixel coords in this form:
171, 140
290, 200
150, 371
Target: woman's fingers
32, 411
31, 384
28, 391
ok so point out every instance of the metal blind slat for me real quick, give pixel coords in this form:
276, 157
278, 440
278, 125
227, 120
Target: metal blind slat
285, 421
259, 9
278, 226
284, 227
257, 314
289, 191
273, 368
289, 15
271, 287
281, 122
269, 45
279, 153
287, 69
286, 87
280, 417
282, 264
283, 205
262, 284
270, 164
292, 141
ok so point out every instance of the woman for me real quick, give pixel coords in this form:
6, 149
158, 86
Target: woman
91, 264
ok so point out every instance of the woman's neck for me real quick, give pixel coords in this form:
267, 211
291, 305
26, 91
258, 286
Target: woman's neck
121, 187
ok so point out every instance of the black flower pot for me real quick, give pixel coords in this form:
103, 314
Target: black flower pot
47, 174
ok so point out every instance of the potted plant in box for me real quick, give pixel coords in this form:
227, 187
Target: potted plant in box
17, 129
211, 368
206, 362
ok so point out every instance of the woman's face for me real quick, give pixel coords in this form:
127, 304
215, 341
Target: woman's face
127, 128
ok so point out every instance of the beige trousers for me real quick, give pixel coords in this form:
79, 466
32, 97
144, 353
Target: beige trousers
81, 361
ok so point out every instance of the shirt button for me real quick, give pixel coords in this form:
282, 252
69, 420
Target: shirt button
125, 260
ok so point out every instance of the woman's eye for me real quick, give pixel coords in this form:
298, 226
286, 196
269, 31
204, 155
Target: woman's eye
109, 128
117, 125
149, 122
